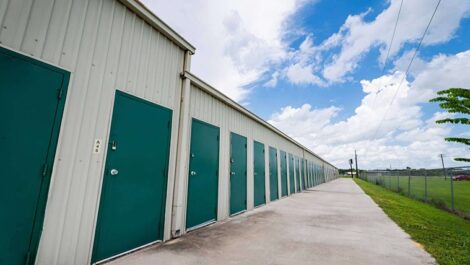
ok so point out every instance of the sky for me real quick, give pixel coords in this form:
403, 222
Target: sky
327, 74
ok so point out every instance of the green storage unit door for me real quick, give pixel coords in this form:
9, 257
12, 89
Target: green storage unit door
291, 174
297, 173
310, 174
273, 174
133, 195
309, 168
307, 174
317, 175
238, 174
259, 178
283, 173
32, 96
302, 168
203, 174
313, 174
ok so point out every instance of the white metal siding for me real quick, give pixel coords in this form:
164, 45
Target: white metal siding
206, 107
105, 46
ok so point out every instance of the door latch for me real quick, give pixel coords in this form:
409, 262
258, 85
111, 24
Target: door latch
113, 145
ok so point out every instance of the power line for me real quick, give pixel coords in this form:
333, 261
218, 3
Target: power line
388, 50
393, 37
407, 70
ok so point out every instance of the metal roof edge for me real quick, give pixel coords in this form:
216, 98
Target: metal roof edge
221, 96
144, 12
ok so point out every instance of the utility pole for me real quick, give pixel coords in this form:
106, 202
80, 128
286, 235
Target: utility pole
443, 167
357, 170
350, 164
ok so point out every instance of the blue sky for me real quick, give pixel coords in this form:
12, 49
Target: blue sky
313, 68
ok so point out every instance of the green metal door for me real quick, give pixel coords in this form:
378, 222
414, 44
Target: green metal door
309, 170
297, 173
305, 166
203, 175
133, 195
311, 174
273, 174
315, 181
283, 173
237, 173
316, 175
32, 96
302, 169
259, 178
291, 174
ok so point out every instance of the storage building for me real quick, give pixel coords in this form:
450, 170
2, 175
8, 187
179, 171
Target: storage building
109, 143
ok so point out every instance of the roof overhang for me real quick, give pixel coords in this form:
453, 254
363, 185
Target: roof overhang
146, 14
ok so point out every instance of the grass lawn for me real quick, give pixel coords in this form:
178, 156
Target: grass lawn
438, 190
444, 235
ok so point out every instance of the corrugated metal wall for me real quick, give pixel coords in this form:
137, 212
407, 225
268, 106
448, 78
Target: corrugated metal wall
210, 109
105, 46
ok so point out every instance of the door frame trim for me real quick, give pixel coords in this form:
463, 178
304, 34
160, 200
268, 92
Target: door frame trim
201, 225
127, 252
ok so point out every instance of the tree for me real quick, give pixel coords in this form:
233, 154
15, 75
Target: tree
455, 100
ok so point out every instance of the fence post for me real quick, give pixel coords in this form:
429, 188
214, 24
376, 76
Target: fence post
409, 183
425, 185
390, 181
398, 181
452, 189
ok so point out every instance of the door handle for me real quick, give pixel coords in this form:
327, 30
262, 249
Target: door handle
193, 173
114, 172
232, 173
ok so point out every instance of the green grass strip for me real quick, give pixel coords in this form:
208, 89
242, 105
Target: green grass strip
444, 235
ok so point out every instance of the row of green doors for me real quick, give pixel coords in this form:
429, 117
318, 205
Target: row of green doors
133, 194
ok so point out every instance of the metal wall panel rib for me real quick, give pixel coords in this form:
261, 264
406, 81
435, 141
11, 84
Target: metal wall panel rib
105, 46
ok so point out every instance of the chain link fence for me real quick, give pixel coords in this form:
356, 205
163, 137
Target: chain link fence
447, 189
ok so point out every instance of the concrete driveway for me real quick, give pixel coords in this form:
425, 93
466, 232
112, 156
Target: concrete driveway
334, 223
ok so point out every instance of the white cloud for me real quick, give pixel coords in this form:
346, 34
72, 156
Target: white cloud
338, 56
404, 139
236, 41
274, 79
359, 36
299, 74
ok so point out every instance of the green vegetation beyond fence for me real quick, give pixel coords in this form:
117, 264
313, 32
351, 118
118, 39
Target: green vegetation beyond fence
443, 235
445, 192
